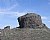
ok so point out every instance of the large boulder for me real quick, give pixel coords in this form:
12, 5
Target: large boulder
7, 27
30, 20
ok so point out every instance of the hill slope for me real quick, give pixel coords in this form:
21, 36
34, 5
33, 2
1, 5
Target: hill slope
30, 27
26, 34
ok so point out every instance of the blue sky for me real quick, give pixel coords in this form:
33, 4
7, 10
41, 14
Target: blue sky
10, 10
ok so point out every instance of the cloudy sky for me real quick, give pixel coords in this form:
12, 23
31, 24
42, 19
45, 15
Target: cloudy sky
10, 10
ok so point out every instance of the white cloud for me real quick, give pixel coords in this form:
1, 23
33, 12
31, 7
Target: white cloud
10, 8
16, 14
2, 10
12, 15
43, 17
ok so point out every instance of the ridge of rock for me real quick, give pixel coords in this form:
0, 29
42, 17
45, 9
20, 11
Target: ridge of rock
31, 20
31, 28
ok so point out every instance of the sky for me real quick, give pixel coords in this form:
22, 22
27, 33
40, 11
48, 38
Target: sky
10, 10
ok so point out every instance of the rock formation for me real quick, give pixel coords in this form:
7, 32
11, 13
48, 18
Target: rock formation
31, 20
7, 27
31, 28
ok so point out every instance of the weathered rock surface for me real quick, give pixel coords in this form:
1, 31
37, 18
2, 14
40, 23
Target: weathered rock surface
31, 28
31, 20
25, 34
